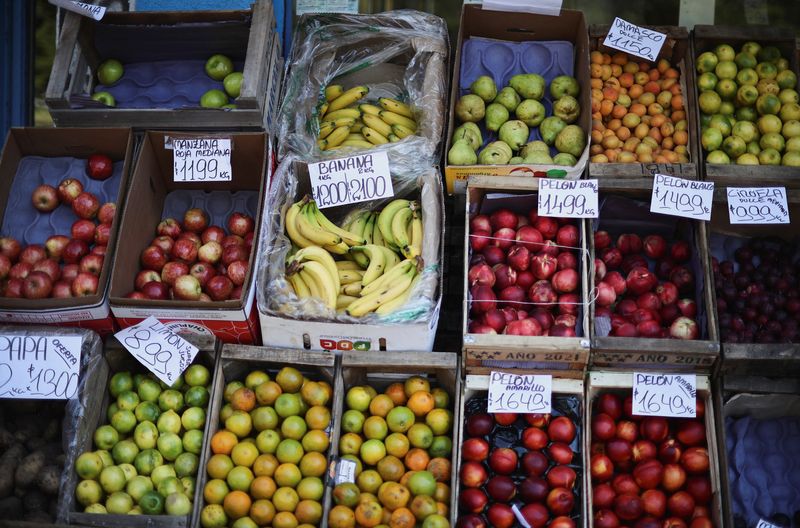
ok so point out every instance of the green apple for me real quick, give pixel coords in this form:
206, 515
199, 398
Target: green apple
214, 99
105, 98
218, 67
110, 71
233, 84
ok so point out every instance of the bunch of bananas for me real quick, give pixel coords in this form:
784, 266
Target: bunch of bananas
347, 123
379, 256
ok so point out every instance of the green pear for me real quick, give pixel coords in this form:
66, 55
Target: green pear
508, 97
550, 128
534, 146
516, 160
567, 108
495, 153
538, 158
531, 112
471, 133
528, 85
470, 108
515, 133
496, 115
484, 87
565, 159
564, 85
502, 145
571, 140
461, 153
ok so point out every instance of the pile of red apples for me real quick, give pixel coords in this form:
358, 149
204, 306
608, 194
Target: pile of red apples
638, 300
648, 472
524, 277
195, 261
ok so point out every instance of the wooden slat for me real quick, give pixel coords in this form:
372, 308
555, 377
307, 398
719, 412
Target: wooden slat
404, 361
55, 94
257, 58
285, 355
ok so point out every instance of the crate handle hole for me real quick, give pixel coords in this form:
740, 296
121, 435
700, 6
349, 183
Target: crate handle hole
382, 344
306, 342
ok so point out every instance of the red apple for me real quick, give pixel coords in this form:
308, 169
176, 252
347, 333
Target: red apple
156, 290
62, 289
640, 280
106, 213
172, 270
86, 205
10, 248
69, 272
145, 276
187, 288
684, 328
99, 167
49, 266
169, 227
667, 293
240, 224
91, 264
37, 285
13, 288
83, 230
153, 258
5, 266
69, 189
219, 288
45, 199
210, 252
202, 272
20, 270
164, 242
214, 233
205, 298
136, 295
688, 308
232, 253
680, 252
503, 460
195, 220
55, 246
84, 284
185, 250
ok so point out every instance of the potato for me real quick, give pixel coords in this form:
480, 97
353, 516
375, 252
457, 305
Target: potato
14, 454
35, 444
38, 517
35, 500
29, 468
52, 430
10, 508
48, 480
6, 439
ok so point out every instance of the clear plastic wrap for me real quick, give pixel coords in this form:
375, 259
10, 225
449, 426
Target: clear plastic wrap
91, 365
276, 296
401, 54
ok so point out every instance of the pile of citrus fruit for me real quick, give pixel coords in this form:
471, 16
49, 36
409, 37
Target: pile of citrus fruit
269, 458
400, 443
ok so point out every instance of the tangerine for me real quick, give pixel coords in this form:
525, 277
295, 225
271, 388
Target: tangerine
243, 399
262, 488
308, 512
381, 405
369, 514
396, 392
417, 459
341, 517
415, 384
402, 518
262, 512
236, 504
440, 467
265, 465
391, 468
421, 403
268, 392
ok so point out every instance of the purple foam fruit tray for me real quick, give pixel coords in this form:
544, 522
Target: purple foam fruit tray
29, 226
218, 205
501, 60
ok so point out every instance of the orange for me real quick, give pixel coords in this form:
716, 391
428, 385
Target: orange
417, 459
369, 514
341, 517
420, 403
308, 512
440, 467
315, 440
268, 392
262, 488
391, 468
397, 444
265, 465
422, 506
262, 512
215, 491
243, 399
394, 496
416, 384
442, 509
381, 405
369, 481
230, 388
223, 442
442, 493
313, 393
244, 454
313, 464
402, 518
318, 417
236, 504
328, 389
397, 393
366, 497
441, 398
406, 477
219, 466
284, 520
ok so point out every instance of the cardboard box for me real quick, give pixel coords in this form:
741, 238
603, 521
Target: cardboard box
281, 331
706, 38
71, 146
677, 51
152, 184
568, 356
249, 38
521, 27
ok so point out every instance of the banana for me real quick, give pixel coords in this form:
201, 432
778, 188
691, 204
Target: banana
360, 143
368, 227
345, 265
377, 262
299, 285
339, 249
385, 219
367, 108
391, 257
343, 113
348, 237
323, 110
392, 138
400, 223
349, 276
402, 131
392, 118
373, 136
414, 248
343, 301
398, 301
329, 126
358, 224
393, 105
324, 132
377, 237
354, 289
376, 123
292, 215
310, 230
381, 296
310, 283
356, 128
332, 91
317, 254
335, 138
324, 282
390, 275
347, 98
353, 136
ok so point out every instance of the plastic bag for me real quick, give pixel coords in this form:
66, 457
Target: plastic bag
276, 296
401, 54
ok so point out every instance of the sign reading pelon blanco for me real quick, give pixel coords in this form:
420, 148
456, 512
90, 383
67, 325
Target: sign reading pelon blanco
679, 197
757, 205
764, 524
86, 9
630, 38
39, 367
351, 180
520, 393
568, 198
158, 348
671, 395
201, 159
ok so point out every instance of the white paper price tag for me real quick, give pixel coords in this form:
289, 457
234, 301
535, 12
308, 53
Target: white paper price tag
351, 180
158, 348
519, 516
671, 395
541, 7
758, 205
630, 38
201, 159
82, 8
764, 524
679, 197
568, 198
326, 6
520, 393
39, 367
345, 471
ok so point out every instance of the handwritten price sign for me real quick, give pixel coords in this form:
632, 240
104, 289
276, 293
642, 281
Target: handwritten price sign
672, 395
82, 8
630, 38
764, 524
679, 197
568, 198
39, 367
757, 205
201, 160
518, 393
351, 180
158, 348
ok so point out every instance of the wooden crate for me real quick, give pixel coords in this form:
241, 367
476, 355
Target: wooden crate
116, 359
566, 355
780, 359
705, 38
235, 362
622, 382
379, 370
649, 353
475, 384
676, 50
747, 386
247, 36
